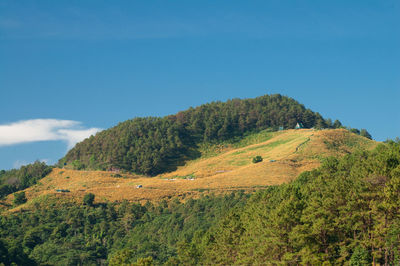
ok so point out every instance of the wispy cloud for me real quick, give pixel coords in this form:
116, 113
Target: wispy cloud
44, 130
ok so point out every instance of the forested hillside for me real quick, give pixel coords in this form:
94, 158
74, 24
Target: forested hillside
62, 233
345, 212
348, 210
154, 145
18, 179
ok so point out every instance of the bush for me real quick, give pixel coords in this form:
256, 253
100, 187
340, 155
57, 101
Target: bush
19, 198
365, 134
360, 257
88, 199
78, 165
144, 262
5, 190
257, 159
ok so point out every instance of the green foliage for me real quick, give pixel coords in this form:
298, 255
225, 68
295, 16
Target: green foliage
78, 165
347, 211
155, 145
121, 257
365, 133
19, 198
360, 257
144, 262
257, 159
19, 179
56, 233
88, 199
337, 124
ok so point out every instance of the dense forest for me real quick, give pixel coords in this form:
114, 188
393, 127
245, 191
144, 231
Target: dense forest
56, 233
154, 145
345, 212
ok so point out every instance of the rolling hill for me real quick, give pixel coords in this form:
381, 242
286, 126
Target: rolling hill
220, 168
155, 145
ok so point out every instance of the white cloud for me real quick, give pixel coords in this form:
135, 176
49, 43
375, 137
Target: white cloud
73, 136
44, 130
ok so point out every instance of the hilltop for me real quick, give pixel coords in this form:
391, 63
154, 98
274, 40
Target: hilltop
155, 145
221, 168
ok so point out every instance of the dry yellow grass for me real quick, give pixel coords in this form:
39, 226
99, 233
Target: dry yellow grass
292, 152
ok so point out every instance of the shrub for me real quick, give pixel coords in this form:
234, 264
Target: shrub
88, 199
365, 134
78, 165
19, 198
257, 159
360, 257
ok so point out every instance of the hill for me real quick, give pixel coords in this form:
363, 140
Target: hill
221, 168
152, 145
344, 212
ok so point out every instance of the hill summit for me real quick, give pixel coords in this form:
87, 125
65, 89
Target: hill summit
154, 145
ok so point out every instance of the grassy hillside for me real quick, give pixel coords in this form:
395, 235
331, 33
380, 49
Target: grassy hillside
154, 145
221, 168
345, 212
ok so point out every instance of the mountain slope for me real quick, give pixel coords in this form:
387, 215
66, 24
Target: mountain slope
346, 212
152, 145
223, 169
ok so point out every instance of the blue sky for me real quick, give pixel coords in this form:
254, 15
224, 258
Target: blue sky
70, 68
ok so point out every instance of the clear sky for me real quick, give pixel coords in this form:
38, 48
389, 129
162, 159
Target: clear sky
70, 68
